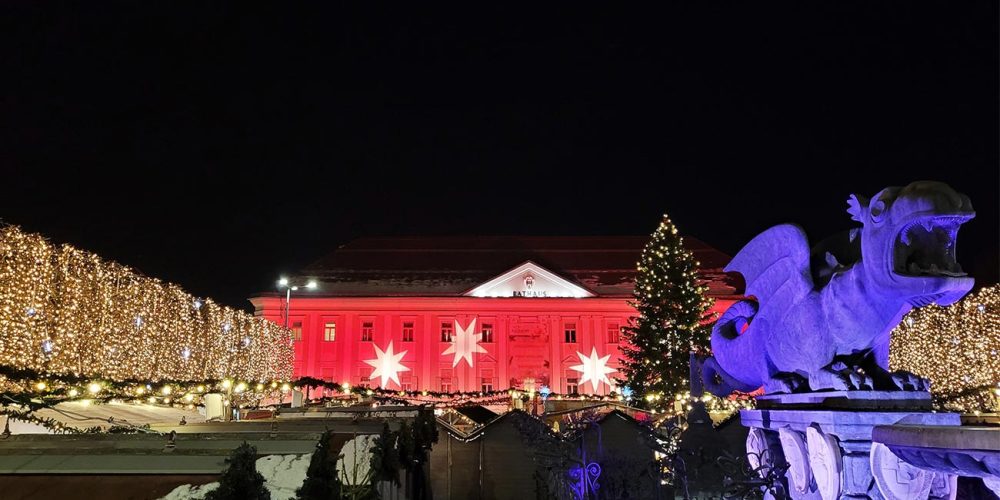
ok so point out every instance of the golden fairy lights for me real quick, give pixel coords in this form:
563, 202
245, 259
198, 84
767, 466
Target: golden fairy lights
957, 347
673, 311
63, 310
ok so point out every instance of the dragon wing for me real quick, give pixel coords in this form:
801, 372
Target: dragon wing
775, 265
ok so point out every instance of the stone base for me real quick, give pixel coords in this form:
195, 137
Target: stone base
849, 400
965, 451
830, 456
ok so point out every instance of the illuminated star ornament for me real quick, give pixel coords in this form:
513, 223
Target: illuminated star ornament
594, 369
464, 343
387, 365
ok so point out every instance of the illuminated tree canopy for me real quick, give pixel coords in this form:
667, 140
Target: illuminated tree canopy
64, 310
957, 347
673, 312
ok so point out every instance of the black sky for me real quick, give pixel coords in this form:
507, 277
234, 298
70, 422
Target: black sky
219, 146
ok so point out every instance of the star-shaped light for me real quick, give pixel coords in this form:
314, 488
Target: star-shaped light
387, 365
593, 368
464, 343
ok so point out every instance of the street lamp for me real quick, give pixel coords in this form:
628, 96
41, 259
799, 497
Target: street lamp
291, 287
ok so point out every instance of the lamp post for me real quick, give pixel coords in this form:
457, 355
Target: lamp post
290, 287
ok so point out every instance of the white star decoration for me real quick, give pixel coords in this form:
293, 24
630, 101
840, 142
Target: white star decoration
464, 343
387, 365
593, 368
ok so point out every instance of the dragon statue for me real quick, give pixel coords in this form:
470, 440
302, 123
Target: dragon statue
820, 320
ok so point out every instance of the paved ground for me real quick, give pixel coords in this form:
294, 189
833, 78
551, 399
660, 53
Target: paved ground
82, 415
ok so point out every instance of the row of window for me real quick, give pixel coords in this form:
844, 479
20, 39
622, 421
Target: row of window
446, 380
486, 384
447, 332
407, 382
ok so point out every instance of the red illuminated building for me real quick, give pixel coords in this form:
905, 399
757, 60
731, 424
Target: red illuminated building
471, 313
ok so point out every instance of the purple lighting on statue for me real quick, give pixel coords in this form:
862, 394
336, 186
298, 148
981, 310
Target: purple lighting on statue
812, 307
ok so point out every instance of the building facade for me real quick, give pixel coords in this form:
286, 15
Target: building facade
471, 314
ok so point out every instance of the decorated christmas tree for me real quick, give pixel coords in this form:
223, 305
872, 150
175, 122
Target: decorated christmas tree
673, 312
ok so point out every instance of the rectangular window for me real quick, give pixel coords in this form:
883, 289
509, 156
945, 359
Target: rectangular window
614, 333
297, 331
446, 374
488, 333
570, 333
406, 383
330, 332
367, 331
364, 382
408, 331
571, 384
487, 380
447, 330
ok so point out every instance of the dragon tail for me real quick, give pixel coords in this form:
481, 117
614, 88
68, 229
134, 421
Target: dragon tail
735, 350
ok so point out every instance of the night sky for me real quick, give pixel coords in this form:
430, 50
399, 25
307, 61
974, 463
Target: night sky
218, 147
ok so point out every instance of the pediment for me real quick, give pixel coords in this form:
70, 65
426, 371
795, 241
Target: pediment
529, 280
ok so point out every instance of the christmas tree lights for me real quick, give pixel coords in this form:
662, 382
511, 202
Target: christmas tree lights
673, 312
66, 311
957, 348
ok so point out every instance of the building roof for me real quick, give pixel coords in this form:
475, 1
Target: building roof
478, 414
452, 265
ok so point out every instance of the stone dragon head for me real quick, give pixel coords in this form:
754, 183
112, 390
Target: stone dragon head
908, 241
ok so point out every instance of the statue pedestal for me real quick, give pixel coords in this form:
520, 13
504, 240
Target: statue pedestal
828, 447
965, 451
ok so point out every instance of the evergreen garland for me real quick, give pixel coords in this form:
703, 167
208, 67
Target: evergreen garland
241, 481
672, 322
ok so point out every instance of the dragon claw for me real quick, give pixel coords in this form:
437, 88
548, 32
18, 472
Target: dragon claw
862, 381
901, 380
857, 380
907, 381
786, 383
920, 383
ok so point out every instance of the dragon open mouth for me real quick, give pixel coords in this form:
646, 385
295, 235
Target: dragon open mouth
926, 246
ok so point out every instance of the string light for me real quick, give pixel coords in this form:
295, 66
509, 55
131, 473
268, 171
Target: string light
673, 309
957, 348
63, 310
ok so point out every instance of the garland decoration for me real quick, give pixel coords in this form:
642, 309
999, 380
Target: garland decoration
957, 348
64, 310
